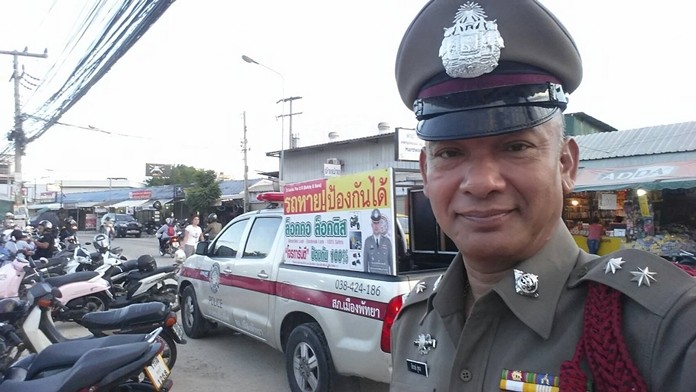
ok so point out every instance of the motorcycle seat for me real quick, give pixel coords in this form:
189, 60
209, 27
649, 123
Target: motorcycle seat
65, 354
53, 262
57, 281
92, 367
129, 316
138, 275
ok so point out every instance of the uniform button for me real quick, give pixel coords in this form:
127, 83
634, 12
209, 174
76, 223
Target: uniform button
465, 375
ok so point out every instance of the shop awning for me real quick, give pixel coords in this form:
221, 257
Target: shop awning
654, 176
128, 203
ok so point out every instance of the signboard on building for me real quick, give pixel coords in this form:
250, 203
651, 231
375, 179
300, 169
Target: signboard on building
140, 195
408, 145
47, 197
158, 170
331, 170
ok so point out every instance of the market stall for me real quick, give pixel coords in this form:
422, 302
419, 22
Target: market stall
650, 207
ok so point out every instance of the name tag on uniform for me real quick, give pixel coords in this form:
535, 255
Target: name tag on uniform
417, 367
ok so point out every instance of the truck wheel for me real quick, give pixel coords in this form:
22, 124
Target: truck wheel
191, 318
307, 360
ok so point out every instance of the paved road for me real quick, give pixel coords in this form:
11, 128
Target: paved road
225, 360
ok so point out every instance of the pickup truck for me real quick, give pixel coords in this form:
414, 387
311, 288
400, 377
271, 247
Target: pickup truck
308, 278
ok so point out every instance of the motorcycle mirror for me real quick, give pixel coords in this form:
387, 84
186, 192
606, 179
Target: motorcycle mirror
56, 292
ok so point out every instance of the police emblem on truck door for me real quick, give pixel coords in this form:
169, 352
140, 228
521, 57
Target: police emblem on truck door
214, 278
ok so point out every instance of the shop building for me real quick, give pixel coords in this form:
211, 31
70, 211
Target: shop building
641, 184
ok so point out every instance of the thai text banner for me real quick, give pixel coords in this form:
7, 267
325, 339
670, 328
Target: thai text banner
358, 191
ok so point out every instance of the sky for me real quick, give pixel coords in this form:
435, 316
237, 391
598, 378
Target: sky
178, 96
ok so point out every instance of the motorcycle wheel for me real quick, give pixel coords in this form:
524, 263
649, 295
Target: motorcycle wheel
169, 352
166, 294
94, 303
136, 387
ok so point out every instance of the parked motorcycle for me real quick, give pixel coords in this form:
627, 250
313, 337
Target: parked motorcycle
83, 292
33, 319
113, 363
140, 280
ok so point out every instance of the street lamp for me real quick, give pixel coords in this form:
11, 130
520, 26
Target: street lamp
282, 114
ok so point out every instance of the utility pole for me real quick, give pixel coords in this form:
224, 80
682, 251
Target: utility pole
246, 165
17, 135
291, 143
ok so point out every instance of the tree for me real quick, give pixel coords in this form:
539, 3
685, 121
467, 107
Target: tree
201, 186
204, 192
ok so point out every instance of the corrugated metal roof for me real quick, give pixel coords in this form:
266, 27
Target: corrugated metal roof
658, 139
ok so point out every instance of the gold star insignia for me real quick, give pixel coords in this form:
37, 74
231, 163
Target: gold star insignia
643, 276
613, 264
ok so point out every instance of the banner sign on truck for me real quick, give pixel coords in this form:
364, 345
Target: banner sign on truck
344, 222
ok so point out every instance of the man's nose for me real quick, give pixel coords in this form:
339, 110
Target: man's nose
482, 177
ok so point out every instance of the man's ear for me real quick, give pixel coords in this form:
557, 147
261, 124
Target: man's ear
423, 164
569, 161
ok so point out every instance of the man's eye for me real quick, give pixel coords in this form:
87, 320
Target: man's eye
518, 147
446, 154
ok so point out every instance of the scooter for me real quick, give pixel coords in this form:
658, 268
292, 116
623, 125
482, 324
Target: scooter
171, 246
83, 292
137, 281
113, 363
34, 321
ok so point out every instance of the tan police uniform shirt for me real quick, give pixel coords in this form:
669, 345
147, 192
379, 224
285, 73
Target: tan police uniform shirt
508, 331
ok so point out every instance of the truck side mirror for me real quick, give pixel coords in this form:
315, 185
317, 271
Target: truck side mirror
202, 248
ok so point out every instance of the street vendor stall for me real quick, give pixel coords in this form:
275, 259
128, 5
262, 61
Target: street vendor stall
651, 207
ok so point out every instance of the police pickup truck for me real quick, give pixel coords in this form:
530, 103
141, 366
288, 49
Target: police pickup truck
319, 277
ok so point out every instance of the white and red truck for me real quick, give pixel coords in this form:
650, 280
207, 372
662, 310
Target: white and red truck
308, 277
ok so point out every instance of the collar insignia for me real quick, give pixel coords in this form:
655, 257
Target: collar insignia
526, 284
613, 264
425, 343
471, 47
643, 276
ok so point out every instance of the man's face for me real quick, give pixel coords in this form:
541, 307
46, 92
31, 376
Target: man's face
500, 197
376, 229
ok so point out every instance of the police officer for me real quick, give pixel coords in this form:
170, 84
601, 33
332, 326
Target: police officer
521, 307
377, 248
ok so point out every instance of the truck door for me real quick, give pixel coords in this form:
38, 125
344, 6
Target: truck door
216, 299
254, 284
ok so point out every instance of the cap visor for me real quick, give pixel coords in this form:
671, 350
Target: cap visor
483, 122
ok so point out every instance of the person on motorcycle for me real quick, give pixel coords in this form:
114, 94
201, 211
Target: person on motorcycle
213, 227
45, 244
20, 245
165, 233
68, 231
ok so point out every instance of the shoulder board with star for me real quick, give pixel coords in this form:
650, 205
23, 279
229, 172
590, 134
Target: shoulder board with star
422, 290
646, 278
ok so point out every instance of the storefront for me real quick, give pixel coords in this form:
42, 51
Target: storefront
650, 207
